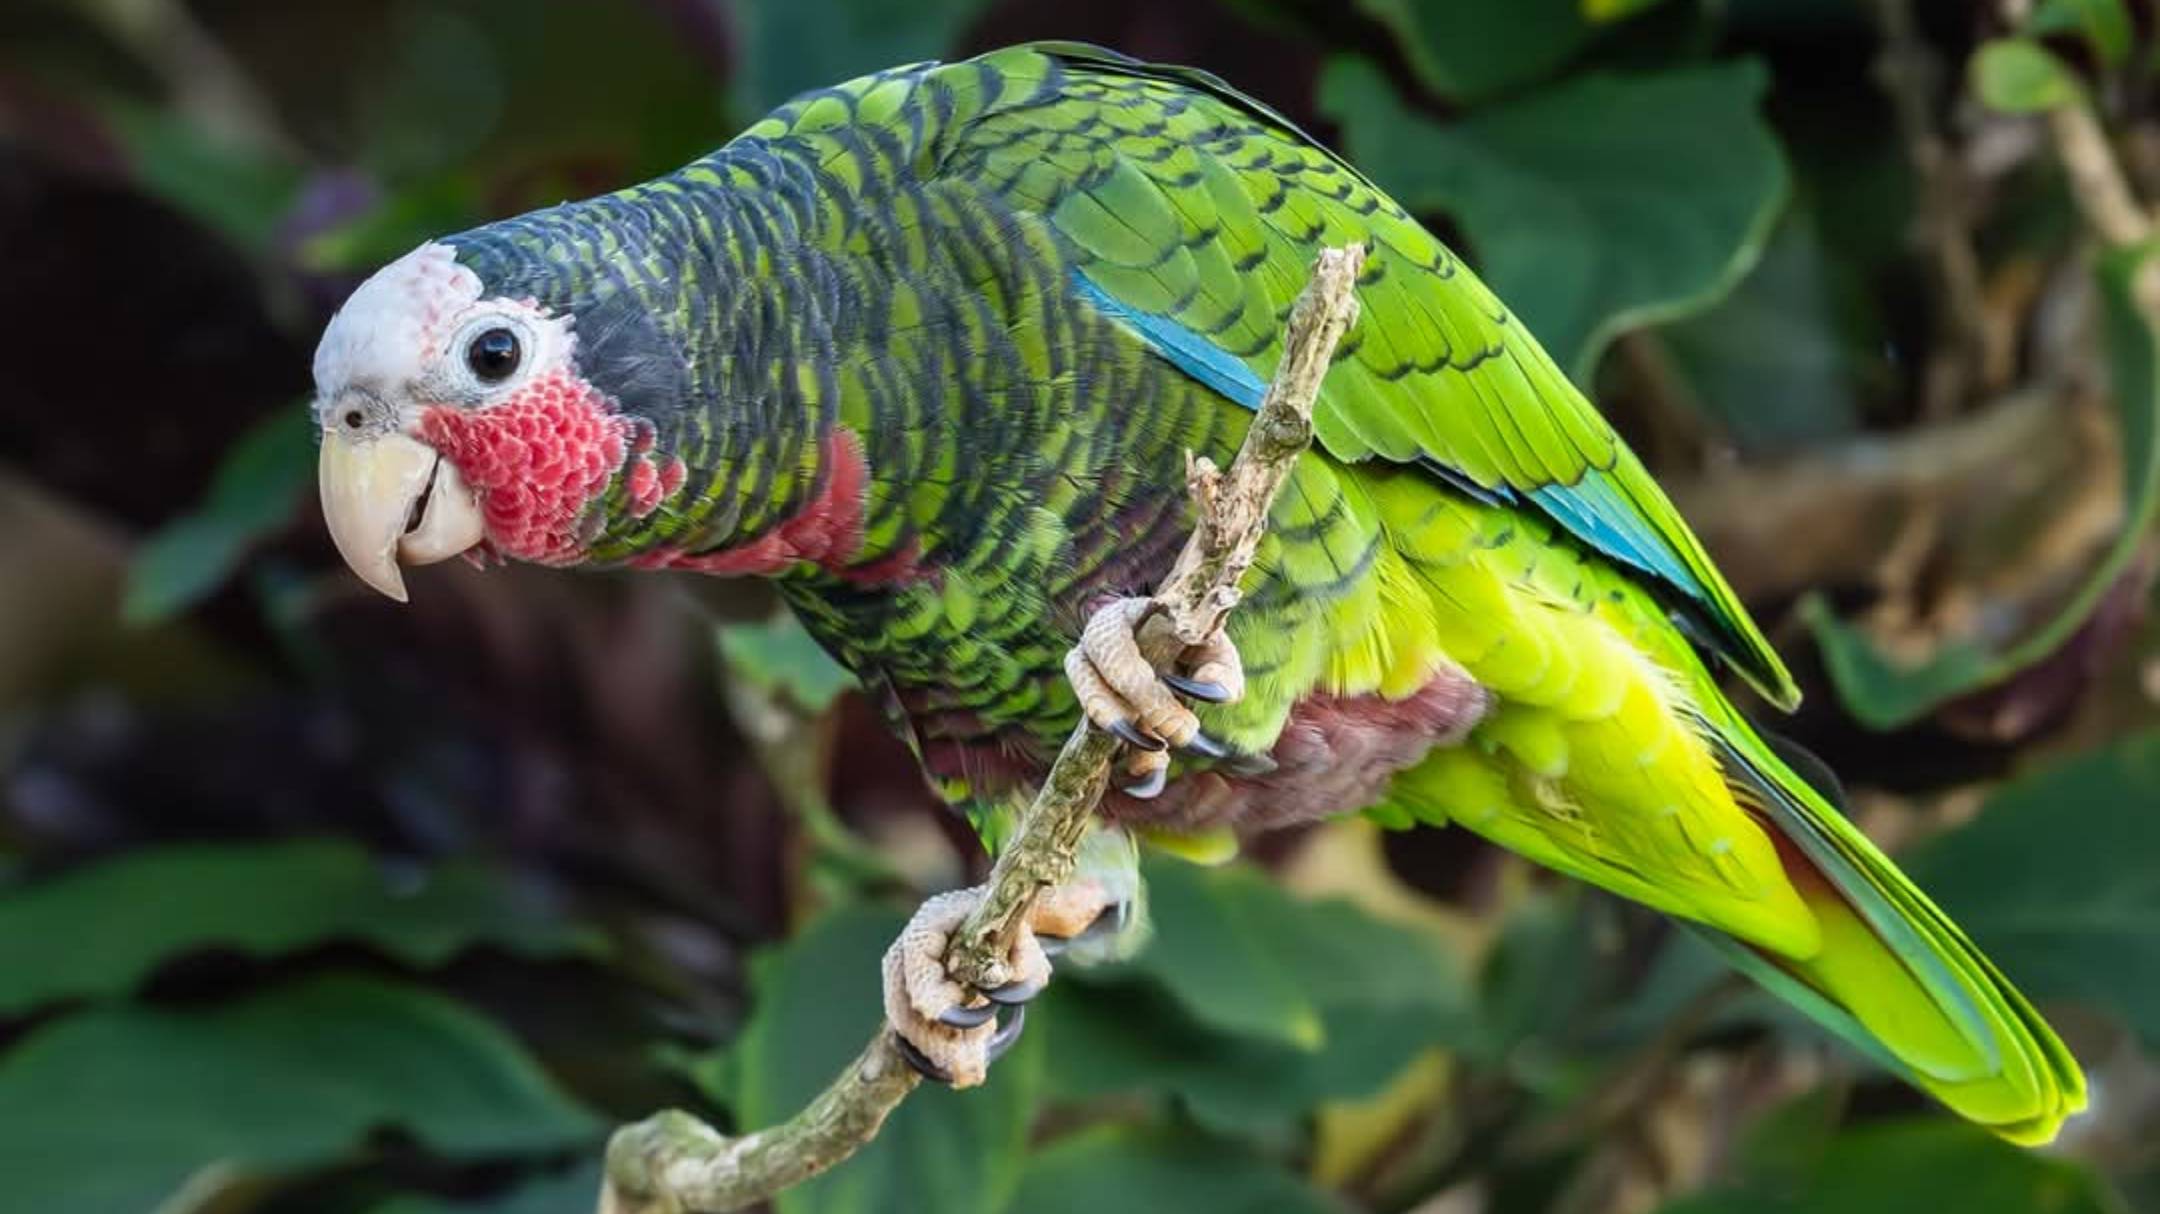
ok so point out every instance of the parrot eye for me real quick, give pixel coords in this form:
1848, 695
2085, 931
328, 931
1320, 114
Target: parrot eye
493, 355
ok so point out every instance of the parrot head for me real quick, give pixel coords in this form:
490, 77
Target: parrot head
457, 420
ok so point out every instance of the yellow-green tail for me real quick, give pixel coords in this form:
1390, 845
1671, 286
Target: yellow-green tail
1894, 975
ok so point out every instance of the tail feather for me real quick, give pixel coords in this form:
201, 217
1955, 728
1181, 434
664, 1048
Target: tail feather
1893, 970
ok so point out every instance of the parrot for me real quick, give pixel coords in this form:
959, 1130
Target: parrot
930, 350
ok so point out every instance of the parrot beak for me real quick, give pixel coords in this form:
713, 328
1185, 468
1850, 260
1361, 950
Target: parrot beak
391, 498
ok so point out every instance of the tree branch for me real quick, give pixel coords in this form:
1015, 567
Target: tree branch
2096, 178
672, 1163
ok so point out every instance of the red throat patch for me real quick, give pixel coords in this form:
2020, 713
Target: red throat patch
827, 531
537, 461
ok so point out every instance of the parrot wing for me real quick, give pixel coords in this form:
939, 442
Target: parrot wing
1194, 224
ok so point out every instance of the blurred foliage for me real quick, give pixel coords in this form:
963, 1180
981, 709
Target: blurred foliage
1597, 205
315, 904
116, 1109
1885, 693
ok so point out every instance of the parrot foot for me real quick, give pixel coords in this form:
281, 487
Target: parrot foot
1123, 695
949, 1031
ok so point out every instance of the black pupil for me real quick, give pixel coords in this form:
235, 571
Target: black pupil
493, 355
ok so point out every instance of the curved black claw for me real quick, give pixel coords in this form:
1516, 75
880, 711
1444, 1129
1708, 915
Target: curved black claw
1013, 994
1244, 764
1113, 921
1006, 1035
1133, 735
1213, 693
1149, 786
1206, 747
968, 1017
921, 1064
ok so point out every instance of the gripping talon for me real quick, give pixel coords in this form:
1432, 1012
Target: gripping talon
1013, 994
1133, 735
1149, 786
1008, 1034
1206, 747
967, 1017
921, 1064
1252, 764
1213, 693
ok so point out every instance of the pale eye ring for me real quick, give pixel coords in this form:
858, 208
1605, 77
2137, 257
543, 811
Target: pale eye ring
493, 355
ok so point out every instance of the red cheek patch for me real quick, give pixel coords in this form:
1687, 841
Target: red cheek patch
644, 487
537, 462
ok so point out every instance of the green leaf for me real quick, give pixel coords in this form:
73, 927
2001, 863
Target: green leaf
570, 1192
257, 489
2019, 76
1221, 1041
1135, 1169
1772, 364
1596, 205
2054, 880
793, 45
1605, 12
779, 656
1213, 957
100, 930
1116, 1039
1471, 49
113, 1109
1931, 1164
1536, 978
1885, 693
953, 1152
2105, 25
239, 192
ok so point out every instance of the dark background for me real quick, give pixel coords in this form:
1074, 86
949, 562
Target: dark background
309, 902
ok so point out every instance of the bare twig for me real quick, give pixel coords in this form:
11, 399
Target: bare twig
672, 1163
2096, 177
2096, 180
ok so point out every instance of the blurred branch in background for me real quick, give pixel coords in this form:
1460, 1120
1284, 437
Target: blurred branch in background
1912, 76
2007, 680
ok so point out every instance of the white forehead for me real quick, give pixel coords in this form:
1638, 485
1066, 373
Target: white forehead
391, 329
390, 338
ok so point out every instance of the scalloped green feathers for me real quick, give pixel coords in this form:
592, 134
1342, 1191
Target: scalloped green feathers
1200, 248
1189, 213
1077, 269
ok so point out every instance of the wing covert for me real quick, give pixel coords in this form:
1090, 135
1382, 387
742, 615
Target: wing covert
1192, 213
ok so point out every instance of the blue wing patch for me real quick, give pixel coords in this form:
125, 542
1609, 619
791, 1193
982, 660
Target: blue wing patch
1596, 511
1191, 353
1592, 509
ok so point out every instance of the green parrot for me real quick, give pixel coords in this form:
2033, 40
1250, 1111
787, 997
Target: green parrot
930, 349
